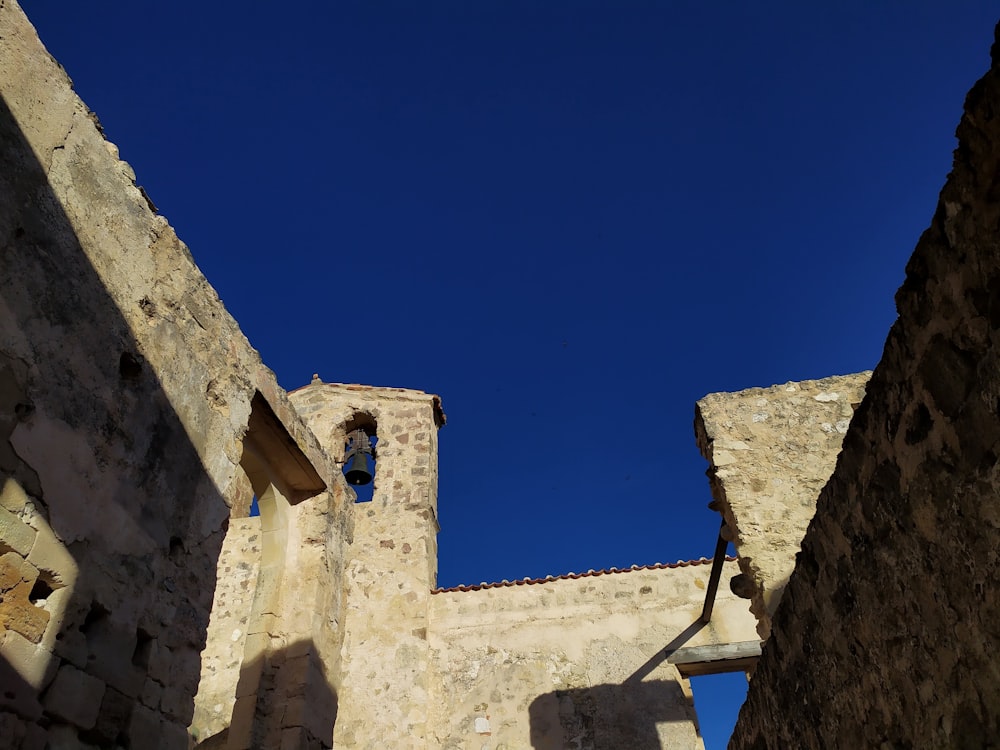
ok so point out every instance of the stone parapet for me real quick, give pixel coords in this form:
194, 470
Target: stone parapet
771, 451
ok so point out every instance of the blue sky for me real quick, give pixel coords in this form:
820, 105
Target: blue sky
569, 219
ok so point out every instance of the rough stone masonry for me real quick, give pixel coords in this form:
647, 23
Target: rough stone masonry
141, 606
888, 632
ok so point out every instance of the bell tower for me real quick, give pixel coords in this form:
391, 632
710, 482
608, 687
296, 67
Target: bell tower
390, 435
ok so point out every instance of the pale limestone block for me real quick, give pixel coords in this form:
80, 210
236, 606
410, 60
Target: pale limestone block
49, 554
36, 666
13, 496
75, 696
15, 571
55, 605
14, 533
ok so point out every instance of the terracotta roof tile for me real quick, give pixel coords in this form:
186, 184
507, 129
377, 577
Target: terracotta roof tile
567, 576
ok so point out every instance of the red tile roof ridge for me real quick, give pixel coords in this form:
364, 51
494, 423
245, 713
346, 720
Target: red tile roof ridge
573, 576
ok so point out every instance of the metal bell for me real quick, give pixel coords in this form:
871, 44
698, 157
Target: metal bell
356, 470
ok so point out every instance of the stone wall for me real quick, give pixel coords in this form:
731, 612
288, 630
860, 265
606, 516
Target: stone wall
888, 633
238, 569
576, 661
128, 400
771, 451
392, 560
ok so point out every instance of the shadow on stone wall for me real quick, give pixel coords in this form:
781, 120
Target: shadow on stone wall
291, 703
610, 716
102, 636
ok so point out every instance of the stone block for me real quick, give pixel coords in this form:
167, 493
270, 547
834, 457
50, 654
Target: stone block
19, 614
35, 738
65, 737
293, 738
177, 704
112, 719
13, 571
75, 696
174, 736
17, 694
109, 656
253, 664
185, 669
12, 496
13, 729
50, 555
55, 604
34, 664
15, 534
143, 728
160, 658
241, 728
151, 692
72, 647
295, 712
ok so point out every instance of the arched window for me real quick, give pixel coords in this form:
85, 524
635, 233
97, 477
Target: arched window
360, 455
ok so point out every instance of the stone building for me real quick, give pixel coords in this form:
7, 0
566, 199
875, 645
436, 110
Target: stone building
144, 605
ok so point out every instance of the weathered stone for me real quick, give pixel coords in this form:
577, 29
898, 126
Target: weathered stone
33, 664
113, 718
771, 451
49, 554
137, 421
19, 614
145, 728
887, 633
14, 533
75, 697
14, 572
591, 669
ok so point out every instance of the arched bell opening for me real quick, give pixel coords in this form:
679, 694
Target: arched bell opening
360, 455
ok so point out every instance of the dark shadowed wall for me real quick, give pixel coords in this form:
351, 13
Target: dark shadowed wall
888, 631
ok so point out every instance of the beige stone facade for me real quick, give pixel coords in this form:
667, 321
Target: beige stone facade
771, 451
141, 606
575, 661
521, 665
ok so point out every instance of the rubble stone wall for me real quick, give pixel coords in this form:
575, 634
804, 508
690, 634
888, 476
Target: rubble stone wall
888, 633
126, 391
238, 569
574, 662
771, 451
392, 561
